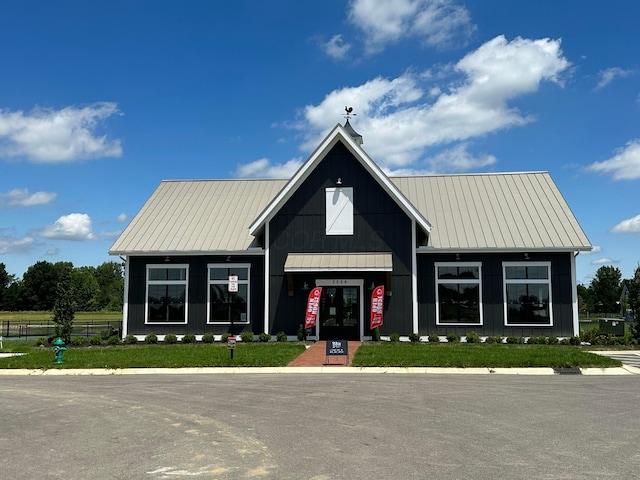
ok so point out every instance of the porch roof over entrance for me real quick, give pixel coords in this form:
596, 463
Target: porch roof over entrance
338, 262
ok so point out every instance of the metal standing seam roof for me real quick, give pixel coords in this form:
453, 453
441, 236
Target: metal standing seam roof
478, 211
326, 262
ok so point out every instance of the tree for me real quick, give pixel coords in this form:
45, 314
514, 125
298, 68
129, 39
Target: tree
40, 281
85, 289
64, 308
605, 289
111, 282
584, 299
5, 281
634, 294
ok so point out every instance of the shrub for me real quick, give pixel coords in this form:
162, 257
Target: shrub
247, 337
170, 339
537, 341
473, 337
41, 342
553, 340
95, 340
574, 340
453, 337
151, 338
105, 334
494, 339
515, 340
302, 333
130, 340
113, 340
375, 334
281, 337
189, 338
77, 341
394, 337
434, 338
208, 338
414, 337
565, 341
225, 337
264, 337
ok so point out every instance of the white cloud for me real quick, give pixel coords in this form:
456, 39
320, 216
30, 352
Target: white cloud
625, 165
263, 168
610, 74
54, 136
123, 217
458, 159
336, 47
630, 225
436, 23
400, 118
75, 226
9, 243
21, 197
604, 261
595, 249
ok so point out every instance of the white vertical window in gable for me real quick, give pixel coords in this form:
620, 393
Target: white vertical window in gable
339, 211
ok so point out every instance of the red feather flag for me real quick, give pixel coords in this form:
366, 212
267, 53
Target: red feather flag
377, 306
312, 307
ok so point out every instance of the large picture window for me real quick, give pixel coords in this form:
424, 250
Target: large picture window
458, 294
167, 294
527, 293
225, 306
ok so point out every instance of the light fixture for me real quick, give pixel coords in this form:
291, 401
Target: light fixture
228, 258
305, 286
526, 256
339, 182
457, 256
167, 259
373, 285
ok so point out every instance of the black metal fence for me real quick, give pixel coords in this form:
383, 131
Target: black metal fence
38, 328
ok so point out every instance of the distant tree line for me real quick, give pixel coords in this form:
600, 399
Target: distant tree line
91, 288
609, 294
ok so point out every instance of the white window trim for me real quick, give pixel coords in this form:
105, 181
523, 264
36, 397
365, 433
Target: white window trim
184, 282
246, 282
520, 281
456, 281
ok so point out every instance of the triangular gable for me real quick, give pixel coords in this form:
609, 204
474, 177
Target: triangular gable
338, 134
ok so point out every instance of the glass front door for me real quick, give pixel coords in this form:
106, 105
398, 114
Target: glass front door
339, 313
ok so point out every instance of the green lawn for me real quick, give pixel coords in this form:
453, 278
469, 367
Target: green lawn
476, 355
378, 354
167, 356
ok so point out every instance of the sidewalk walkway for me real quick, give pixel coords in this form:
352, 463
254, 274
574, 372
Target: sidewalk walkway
316, 356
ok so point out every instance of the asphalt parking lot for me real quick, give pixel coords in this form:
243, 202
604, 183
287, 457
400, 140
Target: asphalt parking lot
319, 427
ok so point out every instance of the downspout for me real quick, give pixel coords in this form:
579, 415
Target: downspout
125, 300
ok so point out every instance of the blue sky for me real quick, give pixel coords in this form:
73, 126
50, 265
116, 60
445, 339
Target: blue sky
100, 101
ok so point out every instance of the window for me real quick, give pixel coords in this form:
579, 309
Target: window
458, 294
339, 211
225, 306
527, 293
167, 294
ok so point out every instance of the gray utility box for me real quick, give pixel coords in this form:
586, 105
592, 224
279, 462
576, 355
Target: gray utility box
614, 326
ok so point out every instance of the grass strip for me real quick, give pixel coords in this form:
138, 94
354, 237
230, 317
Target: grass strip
159, 356
476, 355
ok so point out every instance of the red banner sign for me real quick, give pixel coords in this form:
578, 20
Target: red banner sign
377, 306
312, 307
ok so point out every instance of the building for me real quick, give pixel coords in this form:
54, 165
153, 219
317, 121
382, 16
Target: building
489, 253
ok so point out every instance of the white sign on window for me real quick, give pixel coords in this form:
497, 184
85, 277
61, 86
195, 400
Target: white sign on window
233, 283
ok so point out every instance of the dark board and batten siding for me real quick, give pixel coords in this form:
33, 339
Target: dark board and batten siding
198, 285
379, 226
493, 295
